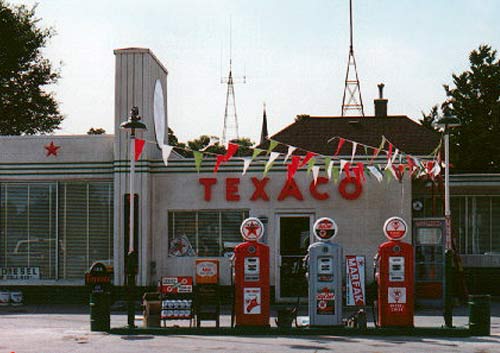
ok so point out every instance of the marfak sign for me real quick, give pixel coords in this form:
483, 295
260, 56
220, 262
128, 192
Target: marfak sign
349, 189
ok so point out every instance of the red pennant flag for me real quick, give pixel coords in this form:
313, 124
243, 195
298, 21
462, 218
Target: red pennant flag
138, 147
411, 164
231, 150
339, 146
306, 159
292, 167
399, 171
389, 154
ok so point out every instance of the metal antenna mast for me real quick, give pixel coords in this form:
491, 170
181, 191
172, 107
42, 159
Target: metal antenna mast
230, 130
351, 100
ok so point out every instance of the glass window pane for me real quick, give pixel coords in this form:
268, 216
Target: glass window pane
182, 233
208, 234
481, 239
100, 222
231, 223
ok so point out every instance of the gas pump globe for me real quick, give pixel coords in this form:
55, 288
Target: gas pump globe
325, 275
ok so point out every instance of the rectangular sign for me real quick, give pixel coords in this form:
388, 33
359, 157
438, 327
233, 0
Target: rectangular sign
252, 301
19, 273
355, 284
176, 284
325, 301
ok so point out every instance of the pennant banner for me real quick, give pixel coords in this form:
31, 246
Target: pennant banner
198, 157
138, 147
165, 153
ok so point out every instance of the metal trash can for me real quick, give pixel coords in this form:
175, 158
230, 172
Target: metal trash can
479, 315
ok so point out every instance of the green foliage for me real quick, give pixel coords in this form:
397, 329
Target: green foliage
96, 131
474, 98
25, 107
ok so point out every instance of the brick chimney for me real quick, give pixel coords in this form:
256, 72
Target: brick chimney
380, 103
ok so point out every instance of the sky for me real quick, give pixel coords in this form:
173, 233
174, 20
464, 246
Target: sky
293, 54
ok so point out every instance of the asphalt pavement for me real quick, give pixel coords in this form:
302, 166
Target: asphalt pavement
66, 329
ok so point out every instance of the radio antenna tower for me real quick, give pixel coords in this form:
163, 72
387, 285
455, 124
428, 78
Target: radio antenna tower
230, 130
351, 100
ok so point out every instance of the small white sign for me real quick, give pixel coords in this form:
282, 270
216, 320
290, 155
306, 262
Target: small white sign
396, 295
252, 304
355, 286
395, 228
19, 273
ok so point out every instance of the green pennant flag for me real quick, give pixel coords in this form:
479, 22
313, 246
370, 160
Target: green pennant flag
198, 156
335, 174
328, 160
256, 152
381, 145
272, 146
388, 175
310, 164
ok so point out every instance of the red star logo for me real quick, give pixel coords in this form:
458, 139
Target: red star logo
252, 228
51, 149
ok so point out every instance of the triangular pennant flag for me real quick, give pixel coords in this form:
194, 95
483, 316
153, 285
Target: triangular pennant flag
198, 157
335, 174
270, 162
389, 154
375, 154
339, 146
315, 171
138, 147
388, 175
220, 159
291, 149
398, 172
353, 153
213, 140
366, 152
246, 164
232, 148
436, 169
293, 167
396, 152
310, 164
343, 162
328, 167
376, 173
306, 159
256, 152
165, 153
272, 146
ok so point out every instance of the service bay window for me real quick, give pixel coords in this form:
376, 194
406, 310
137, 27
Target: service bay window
204, 232
54, 231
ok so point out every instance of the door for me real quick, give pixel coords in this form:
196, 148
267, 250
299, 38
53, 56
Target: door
294, 235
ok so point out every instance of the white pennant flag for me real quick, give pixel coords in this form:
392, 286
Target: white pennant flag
213, 141
165, 153
354, 147
315, 170
246, 164
436, 169
329, 170
376, 173
291, 149
394, 156
272, 158
342, 165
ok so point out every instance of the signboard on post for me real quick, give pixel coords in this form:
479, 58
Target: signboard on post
395, 228
252, 229
176, 284
355, 284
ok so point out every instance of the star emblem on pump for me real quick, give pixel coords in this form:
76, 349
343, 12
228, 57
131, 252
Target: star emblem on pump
51, 149
252, 228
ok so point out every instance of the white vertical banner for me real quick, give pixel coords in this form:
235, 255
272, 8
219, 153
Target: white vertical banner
355, 284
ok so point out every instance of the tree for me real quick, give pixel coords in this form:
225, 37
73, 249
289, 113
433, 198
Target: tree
96, 131
475, 100
25, 106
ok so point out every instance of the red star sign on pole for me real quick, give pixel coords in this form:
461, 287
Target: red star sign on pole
51, 149
252, 229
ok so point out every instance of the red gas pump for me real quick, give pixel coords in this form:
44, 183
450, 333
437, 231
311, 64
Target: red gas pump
251, 276
394, 276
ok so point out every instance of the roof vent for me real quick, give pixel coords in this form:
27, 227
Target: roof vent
380, 103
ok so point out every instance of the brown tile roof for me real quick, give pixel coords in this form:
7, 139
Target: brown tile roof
312, 134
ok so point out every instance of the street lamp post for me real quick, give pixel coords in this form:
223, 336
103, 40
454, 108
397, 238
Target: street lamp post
448, 122
133, 123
